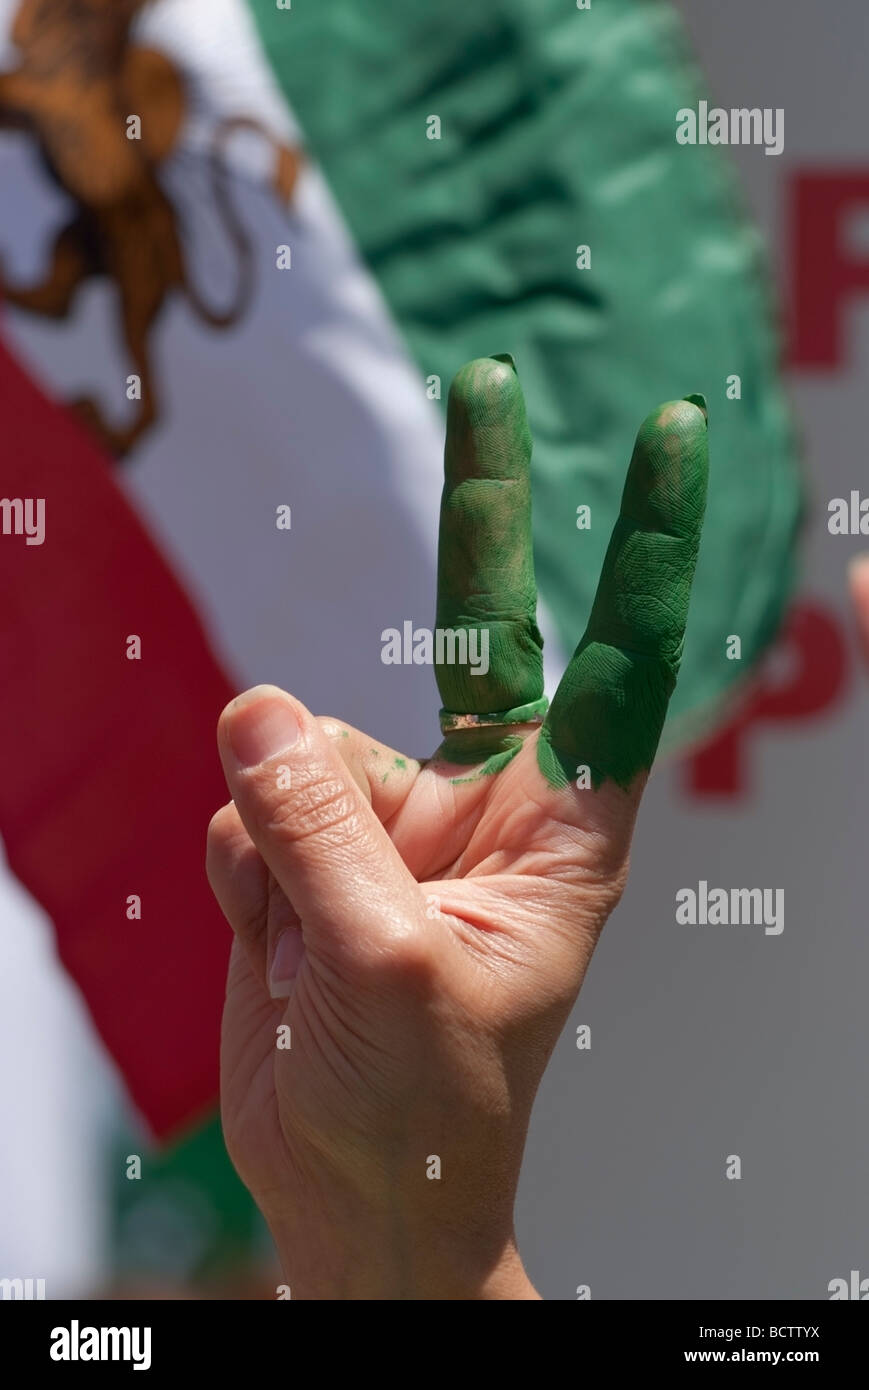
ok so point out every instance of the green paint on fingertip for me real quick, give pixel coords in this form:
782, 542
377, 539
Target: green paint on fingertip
609, 709
401, 763
486, 588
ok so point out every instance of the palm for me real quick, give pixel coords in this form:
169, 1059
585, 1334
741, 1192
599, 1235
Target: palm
489, 854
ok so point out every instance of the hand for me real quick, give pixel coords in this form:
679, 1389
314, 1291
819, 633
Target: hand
424, 929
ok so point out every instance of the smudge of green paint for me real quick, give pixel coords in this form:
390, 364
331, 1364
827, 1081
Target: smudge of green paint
400, 762
486, 750
609, 709
486, 580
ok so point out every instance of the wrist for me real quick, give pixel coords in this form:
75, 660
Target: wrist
395, 1266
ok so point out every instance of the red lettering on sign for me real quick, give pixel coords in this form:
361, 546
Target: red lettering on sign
825, 275
814, 649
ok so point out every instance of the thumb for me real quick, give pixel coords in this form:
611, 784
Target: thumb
315, 830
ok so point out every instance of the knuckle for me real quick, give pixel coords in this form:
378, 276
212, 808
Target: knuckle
333, 727
320, 805
221, 825
400, 955
222, 840
253, 920
411, 960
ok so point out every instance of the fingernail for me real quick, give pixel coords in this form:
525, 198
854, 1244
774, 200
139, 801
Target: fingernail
504, 357
261, 729
700, 401
289, 949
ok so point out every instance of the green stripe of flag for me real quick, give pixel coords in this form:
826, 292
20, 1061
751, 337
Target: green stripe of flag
558, 130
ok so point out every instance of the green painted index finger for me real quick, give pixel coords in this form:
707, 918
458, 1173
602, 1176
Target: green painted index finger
610, 707
487, 596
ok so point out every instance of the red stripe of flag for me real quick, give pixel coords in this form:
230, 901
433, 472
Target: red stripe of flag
110, 769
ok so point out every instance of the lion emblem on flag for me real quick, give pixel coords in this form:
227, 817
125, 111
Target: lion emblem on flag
105, 113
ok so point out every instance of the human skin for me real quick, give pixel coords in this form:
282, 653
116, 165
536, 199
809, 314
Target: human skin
858, 583
423, 929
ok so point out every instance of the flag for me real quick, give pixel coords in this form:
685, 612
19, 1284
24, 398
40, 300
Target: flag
239, 269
